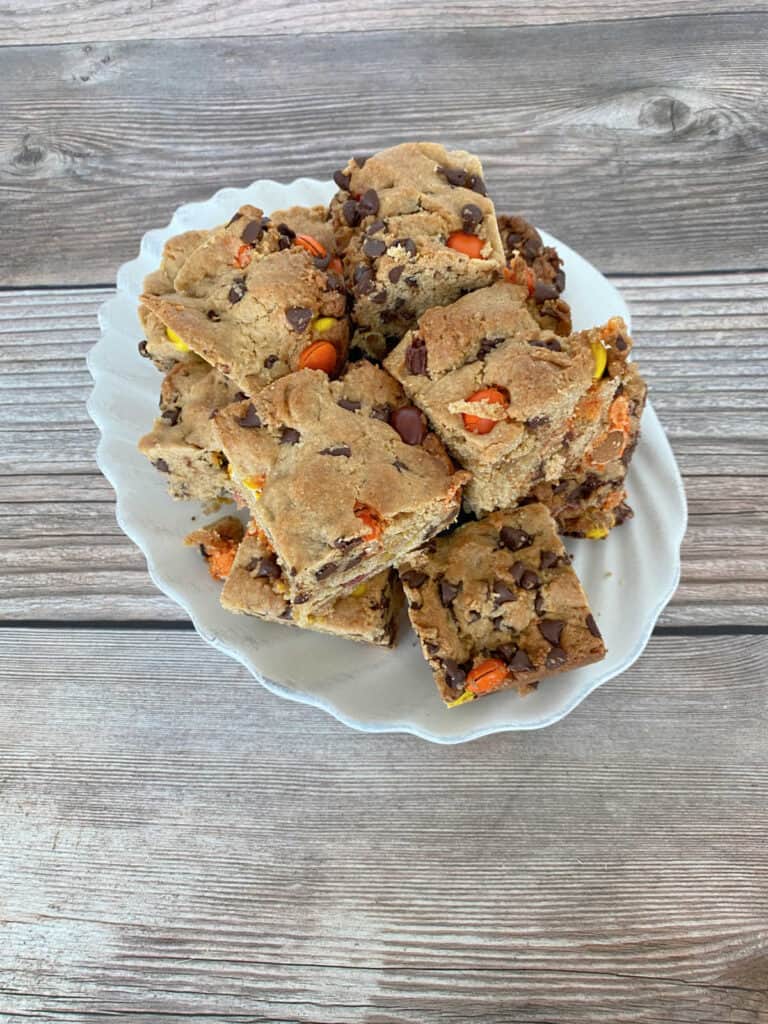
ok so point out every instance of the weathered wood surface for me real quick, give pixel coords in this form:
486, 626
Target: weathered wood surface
643, 142
177, 843
107, 20
702, 342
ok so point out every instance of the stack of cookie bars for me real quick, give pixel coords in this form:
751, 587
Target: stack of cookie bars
362, 378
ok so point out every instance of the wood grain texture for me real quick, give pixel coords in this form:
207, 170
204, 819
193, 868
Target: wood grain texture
100, 20
701, 341
175, 842
643, 142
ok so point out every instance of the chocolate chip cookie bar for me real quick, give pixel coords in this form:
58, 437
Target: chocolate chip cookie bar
516, 404
416, 229
539, 268
256, 586
496, 605
255, 299
342, 476
181, 443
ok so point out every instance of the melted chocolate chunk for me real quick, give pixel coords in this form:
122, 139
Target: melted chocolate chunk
253, 232
266, 567
250, 418
488, 345
416, 357
234, 217
289, 436
270, 361
171, 416
455, 675
505, 652
551, 344
380, 297
502, 594
373, 229
455, 176
349, 404
321, 262
298, 317
448, 592
538, 604
410, 424
476, 183
374, 247
213, 316
351, 213
548, 560
592, 626
551, 630
414, 578
285, 231
471, 217
237, 291
525, 578
368, 203
620, 343
520, 662
345, 543
362, 279
326, 571
341, 450
396, 273
143, 349
342, 180
301, 598
286, 614
556, 658
162, 465
408, 244
537, 421
514, 539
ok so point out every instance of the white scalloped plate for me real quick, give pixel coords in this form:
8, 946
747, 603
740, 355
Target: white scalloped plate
629, 577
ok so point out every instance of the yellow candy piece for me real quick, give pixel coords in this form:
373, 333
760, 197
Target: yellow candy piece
359, 590
323, 323
597, 533
466, 696
255, 484
176, 341
601, 360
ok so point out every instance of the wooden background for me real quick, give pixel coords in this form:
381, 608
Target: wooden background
176, 844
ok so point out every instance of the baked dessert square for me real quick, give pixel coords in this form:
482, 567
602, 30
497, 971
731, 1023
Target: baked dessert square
515, 403
416, 229
181, 443
496, 605
342, 476
256, 586
255, 299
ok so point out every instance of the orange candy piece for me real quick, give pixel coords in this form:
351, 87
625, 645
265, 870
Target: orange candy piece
371, 518
313, 247
529, 278
336, 266
618, 414
244, 256
480, 424
470, 245
320, 355
487, 676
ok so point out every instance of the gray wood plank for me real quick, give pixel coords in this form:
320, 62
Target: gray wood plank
623, 137
701, 341
178, 844
39, 21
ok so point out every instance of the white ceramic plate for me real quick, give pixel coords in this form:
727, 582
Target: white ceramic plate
629, 577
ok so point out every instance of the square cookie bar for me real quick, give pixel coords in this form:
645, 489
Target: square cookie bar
416, 230
342, 476
496, 604
255, 586
254, 299
515, 403
181, 443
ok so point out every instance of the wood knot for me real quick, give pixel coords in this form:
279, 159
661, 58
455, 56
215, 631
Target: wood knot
665, 114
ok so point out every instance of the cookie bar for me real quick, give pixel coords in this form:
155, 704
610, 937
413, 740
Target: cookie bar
496, 604
515, 403
252, 299
342, 476
218, 543
181, 444
416, 229
255, 586
540, 268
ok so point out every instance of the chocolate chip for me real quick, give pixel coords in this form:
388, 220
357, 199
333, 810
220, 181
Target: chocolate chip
252, 232
551, 630
620, 343
514, 539
530, 249
361, 161
455, 675
488, 345
298, 317
455, 176
408, 244
506, 652
562, 486
162, 465
327, 570
556, 658
284, 230
400, 466
250, 419
520, 662
525, 578
266, 567
342, 180
430, 647
413, 578
283, 244
544, 290
552, 344
548, 559
372, 229
502, 594
270, 361
321, 262
380, 412
234, 217
349, 404
286, 614
171, 416
448, 592
538, 604
237, 291
476, 183
410, 424
416, 357
143, 349
213, 316
380, 297
537, 421
289, 436
345, 543
471, 216
368, 203
374, 247
362, 279
301, 598
395, 273
351, 213
592, 626
342, 450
